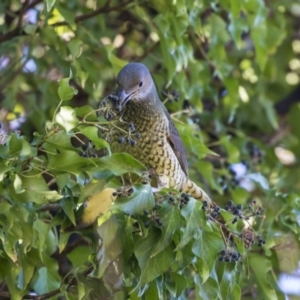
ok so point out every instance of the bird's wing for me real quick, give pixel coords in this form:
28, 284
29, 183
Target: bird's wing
176, 144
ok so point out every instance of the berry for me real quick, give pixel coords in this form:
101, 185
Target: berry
230, 203
171, 199
217, 209
121, 139
133, 142
214, 214
158, 222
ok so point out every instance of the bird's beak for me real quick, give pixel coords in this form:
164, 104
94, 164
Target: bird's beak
123, 98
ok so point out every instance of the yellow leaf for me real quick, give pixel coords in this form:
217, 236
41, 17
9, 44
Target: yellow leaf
97, 205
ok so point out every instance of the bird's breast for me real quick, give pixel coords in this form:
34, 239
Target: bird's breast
149, 134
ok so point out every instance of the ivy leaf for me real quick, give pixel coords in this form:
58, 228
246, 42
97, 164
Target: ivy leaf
142, 199
66, 118
65, 92
92, 133
69, 162
50, 4
207, 247
171, 220
261, 266
195, 219
120, 163
152, 266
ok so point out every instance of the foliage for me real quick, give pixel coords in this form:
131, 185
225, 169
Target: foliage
220, 66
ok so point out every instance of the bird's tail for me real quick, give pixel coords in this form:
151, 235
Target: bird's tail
195, 191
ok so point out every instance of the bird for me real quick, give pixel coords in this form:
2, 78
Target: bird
150, 135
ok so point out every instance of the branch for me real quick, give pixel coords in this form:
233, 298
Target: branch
44, 296
104, 9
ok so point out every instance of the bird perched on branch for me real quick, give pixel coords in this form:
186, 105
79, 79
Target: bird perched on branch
144, 129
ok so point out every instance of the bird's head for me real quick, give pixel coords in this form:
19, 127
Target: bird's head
134, 82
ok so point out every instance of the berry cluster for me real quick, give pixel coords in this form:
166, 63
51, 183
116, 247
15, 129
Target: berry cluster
146, 177
183, 200
212, 213
248, 237
123, 192
252, 210
129, 138
260, 241
229, 255
153, 217
256, 210
88, 150
109, 107
236, 210
227, 182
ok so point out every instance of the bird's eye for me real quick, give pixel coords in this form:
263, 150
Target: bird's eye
141, 84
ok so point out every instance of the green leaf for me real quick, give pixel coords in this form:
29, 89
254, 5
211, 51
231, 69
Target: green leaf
232, 151
30, 29
92, 133
69, 162
206, 247
116, 62
65, 92
171, 220
3, 170
142, 199
26, 150
120, 163
47, 280
86, 112
192, 141
50, 4
67, 205
69, 16
261, 266
111, 235
152, 266
27, 269
18, 184
37, 190
195, 219
66, 118
59, 141
75, 47
286, 243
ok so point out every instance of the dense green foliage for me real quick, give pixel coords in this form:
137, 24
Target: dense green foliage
220, 66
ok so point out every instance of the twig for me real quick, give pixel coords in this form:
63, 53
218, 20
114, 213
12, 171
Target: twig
49, 206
